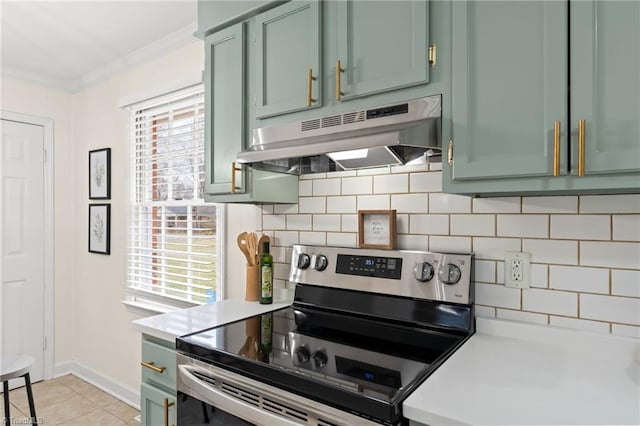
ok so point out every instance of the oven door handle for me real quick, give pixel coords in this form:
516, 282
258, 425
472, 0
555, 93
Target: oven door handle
208, 393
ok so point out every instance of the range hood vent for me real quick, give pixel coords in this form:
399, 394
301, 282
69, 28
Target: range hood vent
403, 133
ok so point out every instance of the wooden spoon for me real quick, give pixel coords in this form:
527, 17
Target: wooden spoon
243, 243
263, 239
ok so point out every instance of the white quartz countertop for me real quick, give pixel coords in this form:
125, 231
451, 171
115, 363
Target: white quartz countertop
511, 373
178, 323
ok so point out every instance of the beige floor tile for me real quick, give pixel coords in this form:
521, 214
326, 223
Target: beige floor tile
68, 378
45, 394
97, 418
65, 411
123, 411
15, 411
100, 398
80, 387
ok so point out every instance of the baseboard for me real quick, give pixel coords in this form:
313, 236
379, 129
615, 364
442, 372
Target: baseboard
123, 392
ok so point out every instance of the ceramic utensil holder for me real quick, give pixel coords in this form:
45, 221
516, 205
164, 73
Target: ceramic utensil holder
252, 292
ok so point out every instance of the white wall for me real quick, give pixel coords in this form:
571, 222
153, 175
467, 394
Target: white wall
585, 249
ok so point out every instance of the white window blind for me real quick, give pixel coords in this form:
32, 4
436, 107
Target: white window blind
172, 251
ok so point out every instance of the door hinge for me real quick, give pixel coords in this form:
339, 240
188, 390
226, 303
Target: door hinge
450, 153
432, 55
44, 343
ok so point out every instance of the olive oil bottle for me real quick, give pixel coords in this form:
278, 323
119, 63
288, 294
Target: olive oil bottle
266, 275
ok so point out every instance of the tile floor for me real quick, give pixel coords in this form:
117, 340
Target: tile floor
70, 401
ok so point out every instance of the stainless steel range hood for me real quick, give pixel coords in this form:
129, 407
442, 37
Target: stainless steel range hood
400, 133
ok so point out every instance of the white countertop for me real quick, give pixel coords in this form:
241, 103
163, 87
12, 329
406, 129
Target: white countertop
514, 373
178, 323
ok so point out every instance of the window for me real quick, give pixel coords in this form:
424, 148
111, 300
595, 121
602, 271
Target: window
172, 251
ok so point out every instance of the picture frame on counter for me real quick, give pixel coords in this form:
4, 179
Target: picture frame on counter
100, 228
377, 229
100, 174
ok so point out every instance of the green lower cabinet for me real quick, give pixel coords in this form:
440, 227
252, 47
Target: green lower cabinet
158, 406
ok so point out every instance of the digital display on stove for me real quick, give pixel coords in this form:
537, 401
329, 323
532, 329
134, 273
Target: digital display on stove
370, 373
369, 266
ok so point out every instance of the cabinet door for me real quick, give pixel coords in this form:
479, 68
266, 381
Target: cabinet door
153, 402
288, 40
224, 107
605, 84
509, 86
382, 45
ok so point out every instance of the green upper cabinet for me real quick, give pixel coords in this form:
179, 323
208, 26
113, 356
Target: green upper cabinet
288, 50
525, 76
381, 46
224, 107
605, 85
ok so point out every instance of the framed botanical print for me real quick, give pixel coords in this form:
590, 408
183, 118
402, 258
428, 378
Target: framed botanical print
100, 228
100, 174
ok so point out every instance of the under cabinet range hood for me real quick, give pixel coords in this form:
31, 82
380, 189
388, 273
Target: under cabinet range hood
394, 134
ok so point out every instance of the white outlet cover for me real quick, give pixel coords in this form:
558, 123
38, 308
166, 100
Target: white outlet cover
525, 260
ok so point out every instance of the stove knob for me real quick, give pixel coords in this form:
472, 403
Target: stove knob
449, 273
321, 262
303, 261
423, 271
319, 358
302, 354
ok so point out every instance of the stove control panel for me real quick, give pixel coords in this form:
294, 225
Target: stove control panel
418, 274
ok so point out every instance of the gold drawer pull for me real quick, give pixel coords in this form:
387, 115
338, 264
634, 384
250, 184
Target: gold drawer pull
556, 148
581, 145
152, 366
234, 169
432, 55
339, 71
167, 404
310, 79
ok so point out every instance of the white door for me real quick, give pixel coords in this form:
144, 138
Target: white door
22, 253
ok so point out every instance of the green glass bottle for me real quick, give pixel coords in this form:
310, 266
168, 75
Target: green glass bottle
266, 336
266, 275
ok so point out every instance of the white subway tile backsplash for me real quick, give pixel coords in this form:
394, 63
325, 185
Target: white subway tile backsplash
431, 224
343, 173
485, 271
305, 188
349, 223
500, 273
626, 227
326, 186
374, 171
267, 209
341, 239
313, 238
576, 278
279, 254
402, 223
433, 167
391, 184
581, 227
485, 311
412, 242
610, 254
341, 204
496, 205
625, 283
449, 203
626, 330
326, 222
373, 202
579, 324
285, 238
526, 226
357, 185
473, 224
629, 203
552, 251
281, 271
521, 316
553, 204
498, 296
494, 248
410, 168
450, 244
285, 208
274, 221
410, 203
425, 182
539, 275
550, 302
312, 205
610, 308
299, 222
313, 176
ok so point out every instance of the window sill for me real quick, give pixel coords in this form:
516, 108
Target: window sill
148, 308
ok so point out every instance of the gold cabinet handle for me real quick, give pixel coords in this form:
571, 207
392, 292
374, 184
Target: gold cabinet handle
450, 153
234, 169
581, 145
432, 55
167, 404
339, 71
152, 366
556, 148
310, 79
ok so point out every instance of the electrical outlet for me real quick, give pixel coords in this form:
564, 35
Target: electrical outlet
517, 269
